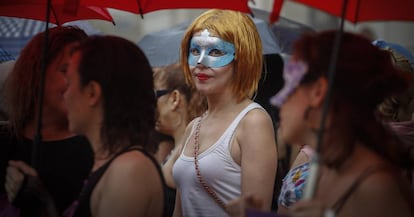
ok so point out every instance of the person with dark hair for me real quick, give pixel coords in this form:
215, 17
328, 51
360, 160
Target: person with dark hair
63, 159
110, 99
177, 104
230, 150
361, 160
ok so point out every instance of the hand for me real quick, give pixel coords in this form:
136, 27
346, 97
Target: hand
309, 208
238, 207
16, 172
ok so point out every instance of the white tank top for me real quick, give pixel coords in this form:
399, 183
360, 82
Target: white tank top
218, 169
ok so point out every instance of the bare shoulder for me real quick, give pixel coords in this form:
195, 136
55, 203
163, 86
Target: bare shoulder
382, 181
383, 191
256, 118
132, 165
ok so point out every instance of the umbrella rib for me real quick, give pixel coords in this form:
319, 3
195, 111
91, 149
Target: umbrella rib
140, 9
358, 5
54, 14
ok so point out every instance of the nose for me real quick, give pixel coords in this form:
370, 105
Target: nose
200, 59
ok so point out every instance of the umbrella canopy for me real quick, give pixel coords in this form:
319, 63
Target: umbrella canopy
146, 6
358, 10
286, 31
60, 11
5, 55
16, 32
163, 47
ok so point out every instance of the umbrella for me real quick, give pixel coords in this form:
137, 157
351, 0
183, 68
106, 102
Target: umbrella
353, 11
5, 55
286, 31
163, 47
16, 32
146, 6
61, 13
358, 10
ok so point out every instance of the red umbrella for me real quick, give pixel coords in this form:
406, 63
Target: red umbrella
146, 6
358, 10
61, 12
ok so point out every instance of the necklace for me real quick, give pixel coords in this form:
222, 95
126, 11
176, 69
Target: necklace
200, 178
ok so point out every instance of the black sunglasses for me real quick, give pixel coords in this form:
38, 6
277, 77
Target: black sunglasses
159, 93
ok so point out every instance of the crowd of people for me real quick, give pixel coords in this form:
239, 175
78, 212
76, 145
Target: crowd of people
119, 137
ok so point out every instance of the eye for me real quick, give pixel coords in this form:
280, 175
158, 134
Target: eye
216, 53
194, 51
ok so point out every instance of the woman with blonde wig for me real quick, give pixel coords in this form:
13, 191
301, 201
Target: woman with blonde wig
230, 150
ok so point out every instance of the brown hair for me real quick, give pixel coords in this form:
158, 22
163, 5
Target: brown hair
125, 76
364, 77
397, 107
172, 76
23, 83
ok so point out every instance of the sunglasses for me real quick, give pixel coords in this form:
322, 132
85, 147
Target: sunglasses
160, 93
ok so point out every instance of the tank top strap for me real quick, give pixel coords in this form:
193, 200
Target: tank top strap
231, 129
362, 177
83, 203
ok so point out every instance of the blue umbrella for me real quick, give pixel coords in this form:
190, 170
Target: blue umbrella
16, 32
5, 55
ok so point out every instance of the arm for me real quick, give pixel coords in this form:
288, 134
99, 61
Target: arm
168, 166
177, 206
300, 159
130, 187
15, 177
256, 140
164, 149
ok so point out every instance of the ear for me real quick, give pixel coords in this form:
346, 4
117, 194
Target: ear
94, 93
318, 91
175, 99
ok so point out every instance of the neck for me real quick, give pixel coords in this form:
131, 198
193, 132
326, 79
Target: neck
51, 129
217, 107
178, 135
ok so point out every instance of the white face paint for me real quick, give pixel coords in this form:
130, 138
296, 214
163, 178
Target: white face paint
210, 51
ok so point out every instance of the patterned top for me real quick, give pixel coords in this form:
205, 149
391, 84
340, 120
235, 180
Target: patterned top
293, 185
294, 181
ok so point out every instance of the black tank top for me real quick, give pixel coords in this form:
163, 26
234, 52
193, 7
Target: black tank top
83, 204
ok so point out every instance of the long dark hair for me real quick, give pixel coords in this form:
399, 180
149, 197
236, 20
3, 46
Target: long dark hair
364, 77
23, 82
125, 76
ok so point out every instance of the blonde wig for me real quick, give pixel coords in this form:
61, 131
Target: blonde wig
237, 28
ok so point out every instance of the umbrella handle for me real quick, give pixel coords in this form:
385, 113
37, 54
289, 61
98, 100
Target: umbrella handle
312, 179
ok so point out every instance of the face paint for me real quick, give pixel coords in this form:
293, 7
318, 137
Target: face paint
293, 73
210, 51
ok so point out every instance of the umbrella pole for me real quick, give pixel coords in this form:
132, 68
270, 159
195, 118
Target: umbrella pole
38, 134
312, 180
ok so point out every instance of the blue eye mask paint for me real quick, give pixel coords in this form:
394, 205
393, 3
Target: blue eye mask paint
210, 51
